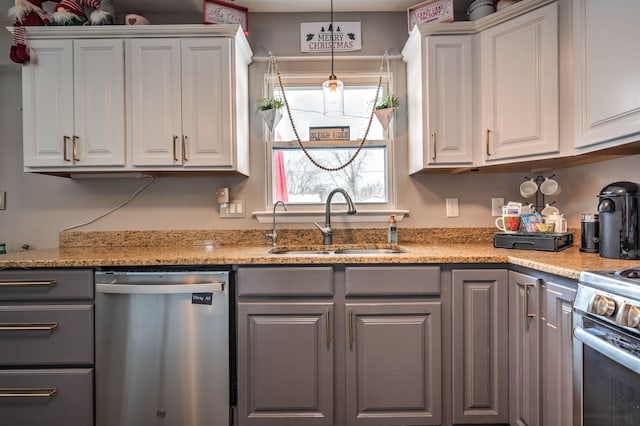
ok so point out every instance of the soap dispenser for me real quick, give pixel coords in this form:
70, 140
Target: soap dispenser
393, 231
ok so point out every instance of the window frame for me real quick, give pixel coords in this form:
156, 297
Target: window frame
370, 211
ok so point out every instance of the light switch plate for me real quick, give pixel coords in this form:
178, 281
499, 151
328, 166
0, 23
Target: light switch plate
3, 200
233, 209
452, 207
496, 206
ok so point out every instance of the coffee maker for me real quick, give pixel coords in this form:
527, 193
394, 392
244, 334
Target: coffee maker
618, 210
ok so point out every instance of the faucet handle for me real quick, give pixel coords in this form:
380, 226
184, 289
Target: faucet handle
325, 230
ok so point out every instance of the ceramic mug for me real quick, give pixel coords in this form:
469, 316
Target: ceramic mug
528, 188
550, 187
508, 223
559, 222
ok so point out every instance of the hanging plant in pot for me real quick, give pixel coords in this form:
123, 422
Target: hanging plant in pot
385, 108
270, 109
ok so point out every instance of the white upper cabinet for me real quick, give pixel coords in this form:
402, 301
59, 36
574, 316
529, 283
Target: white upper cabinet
73, 104
180, 102
137, 98
439, 100
519, 86
606, 73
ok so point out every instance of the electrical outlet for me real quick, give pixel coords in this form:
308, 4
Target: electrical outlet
496, 206
3, 199
452, 207
233, 209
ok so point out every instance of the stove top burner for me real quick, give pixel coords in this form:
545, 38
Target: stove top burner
633, 273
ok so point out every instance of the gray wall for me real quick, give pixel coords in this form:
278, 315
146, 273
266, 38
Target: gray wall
39, 207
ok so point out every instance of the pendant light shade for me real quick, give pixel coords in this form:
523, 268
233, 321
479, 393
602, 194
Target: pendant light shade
333, 89
333, 96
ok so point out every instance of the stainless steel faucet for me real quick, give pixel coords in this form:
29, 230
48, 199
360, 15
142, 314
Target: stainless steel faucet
327, 233
274, 234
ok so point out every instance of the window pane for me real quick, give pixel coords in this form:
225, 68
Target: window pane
297, 181
307, 110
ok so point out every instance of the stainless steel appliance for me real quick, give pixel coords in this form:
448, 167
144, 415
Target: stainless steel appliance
606, 348
619, 219
162, 348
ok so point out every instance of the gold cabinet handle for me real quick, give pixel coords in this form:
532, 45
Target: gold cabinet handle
34, 326
65, 139
350, 329
175, 151
75, 148
526, 301
27, 283
328, 324
434, 140
486, 142
28, 392
185, 141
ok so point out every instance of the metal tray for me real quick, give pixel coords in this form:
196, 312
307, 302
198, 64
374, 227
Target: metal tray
534, 241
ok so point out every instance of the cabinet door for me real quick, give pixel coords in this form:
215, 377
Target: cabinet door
439, 104
606, 83
98, 73
285, 364
154, 90
524, 349
519, 90
207, 117
47, 102
480, 346
558, 355
449, 94
393, 363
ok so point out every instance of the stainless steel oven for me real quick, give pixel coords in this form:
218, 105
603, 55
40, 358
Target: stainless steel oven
606, 349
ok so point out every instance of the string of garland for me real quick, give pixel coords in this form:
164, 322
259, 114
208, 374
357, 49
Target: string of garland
295, 131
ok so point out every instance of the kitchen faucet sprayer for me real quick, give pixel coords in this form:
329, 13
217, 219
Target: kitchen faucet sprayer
327, 232
274, 234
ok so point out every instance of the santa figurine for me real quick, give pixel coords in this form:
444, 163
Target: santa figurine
25, 13
71, 12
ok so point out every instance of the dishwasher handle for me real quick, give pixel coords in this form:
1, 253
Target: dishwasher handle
210, 287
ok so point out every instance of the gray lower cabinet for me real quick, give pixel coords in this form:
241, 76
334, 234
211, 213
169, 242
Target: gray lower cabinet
285, 346
524, 349
46, 347
393, 363
540, 349
557, 355
479, 346
285, 363
337, 346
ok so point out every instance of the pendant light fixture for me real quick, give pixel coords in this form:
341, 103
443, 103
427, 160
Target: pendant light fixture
333, 89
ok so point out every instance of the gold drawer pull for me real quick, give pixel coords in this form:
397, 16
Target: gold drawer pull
30, 326
27, 283
28, 392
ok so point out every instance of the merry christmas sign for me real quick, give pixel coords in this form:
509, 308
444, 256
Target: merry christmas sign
316, 36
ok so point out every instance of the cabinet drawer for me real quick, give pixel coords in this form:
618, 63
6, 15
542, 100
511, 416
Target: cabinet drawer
46, 284
46, 334
293, 281
70, 401
392, 281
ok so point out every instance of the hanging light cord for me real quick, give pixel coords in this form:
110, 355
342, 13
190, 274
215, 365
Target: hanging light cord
333, 76
295, 131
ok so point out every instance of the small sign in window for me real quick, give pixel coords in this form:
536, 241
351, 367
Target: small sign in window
341, 133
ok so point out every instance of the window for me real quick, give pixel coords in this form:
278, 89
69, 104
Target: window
294, 178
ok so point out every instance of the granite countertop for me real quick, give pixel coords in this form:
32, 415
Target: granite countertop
132, 250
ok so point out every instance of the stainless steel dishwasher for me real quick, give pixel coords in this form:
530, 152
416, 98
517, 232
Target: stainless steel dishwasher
162, 348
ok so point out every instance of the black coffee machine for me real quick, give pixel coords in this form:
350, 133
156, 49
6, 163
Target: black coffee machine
618, 220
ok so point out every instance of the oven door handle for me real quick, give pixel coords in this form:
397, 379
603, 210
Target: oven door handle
610, 351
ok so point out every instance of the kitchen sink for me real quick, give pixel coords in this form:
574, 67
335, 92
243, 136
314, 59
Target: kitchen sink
339, 249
